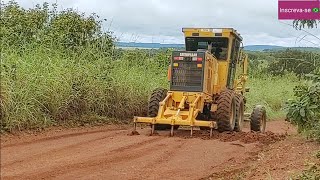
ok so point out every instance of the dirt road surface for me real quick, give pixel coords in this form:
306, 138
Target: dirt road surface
110, 152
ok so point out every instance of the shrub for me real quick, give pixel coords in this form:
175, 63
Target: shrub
304, 110
44, 25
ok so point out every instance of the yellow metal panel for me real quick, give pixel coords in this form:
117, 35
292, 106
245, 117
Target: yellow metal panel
211, 124
174, 112
227, 32
143, 120
205, 34
223, 73
176, 121
177, 96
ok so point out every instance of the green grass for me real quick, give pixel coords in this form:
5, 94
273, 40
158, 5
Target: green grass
41, 87
272, 92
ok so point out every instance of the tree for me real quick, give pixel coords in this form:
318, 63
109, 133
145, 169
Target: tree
300, 24
44, 25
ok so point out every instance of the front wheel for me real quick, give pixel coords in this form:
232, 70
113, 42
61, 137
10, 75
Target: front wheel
258, 119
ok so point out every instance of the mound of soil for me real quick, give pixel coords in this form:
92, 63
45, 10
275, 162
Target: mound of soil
133, 133
245, 137
252, 137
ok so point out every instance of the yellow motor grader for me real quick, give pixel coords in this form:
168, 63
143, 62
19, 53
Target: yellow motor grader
207, 86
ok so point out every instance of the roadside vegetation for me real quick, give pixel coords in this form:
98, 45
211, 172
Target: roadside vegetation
304, 108
60, 67
312, 171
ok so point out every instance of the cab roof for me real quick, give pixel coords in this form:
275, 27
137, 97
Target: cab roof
211, 32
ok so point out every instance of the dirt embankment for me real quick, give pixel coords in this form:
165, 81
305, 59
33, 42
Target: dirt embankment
109, 153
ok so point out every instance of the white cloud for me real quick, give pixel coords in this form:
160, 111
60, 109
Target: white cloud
162, 20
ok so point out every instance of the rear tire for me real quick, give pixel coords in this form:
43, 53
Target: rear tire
239, 112
258, 119
156, 97
226, 111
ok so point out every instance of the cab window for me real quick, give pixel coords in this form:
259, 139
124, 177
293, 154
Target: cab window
219, 45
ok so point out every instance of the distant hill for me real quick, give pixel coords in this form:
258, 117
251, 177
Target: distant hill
310, 49
267, 48
147, 45
262, 47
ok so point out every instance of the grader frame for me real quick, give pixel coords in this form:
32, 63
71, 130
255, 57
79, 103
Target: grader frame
199, 78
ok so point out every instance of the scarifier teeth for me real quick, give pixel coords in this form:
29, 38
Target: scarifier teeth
152, 129
171, 132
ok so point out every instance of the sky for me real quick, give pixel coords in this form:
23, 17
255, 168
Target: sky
161, 21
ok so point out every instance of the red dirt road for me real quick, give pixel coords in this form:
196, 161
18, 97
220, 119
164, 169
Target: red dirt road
110, 153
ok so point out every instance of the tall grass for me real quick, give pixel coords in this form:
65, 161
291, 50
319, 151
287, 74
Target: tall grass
272, 92
42, 87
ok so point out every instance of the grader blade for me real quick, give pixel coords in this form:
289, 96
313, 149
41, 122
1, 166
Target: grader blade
179, 115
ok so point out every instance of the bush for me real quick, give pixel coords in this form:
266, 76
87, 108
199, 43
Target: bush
304, 110
293, 61
45, 26
282, 62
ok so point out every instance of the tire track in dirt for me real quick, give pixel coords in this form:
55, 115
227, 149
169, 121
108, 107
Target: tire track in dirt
126, 153
13, 153
141, 165
112, 154
58, 137
115, 156
193, 160
59, 150
156, 155
166, 155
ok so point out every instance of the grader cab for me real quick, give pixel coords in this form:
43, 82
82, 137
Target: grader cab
207, 86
